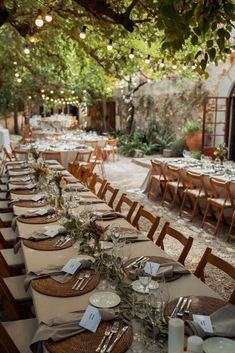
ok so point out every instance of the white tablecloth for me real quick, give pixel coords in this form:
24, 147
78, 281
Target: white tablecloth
4, 139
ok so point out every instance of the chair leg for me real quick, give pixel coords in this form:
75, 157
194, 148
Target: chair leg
219, 220
230, 235
205, 215
182, 204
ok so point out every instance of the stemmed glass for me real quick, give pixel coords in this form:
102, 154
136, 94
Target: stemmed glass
145, 279
154, 311
114, 233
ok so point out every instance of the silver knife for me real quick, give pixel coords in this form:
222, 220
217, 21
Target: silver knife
120, 334
176, 309
180, 312
134, 262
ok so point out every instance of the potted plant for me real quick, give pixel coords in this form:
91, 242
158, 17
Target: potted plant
192, 132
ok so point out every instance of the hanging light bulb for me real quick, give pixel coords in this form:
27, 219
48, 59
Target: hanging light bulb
73, 92
39, 20
51, 91
110, 45
82, 35
17, 74
48, 17
174, 67
15, 62
27, 50
162, 64
29, 97
131, 55
42, 90
61, 92
19, 80
147, 60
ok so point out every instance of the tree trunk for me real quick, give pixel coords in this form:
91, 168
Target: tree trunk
104, 113
130, 120
15, 115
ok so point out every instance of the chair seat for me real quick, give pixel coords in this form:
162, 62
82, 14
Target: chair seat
175, 184
8, 234
195, 192
4, 204
219, 201
11, 258
21, 333
16, 286
3, 195
159, 178
3, 187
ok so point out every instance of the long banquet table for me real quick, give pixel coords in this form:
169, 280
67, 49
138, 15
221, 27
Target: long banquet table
48, 307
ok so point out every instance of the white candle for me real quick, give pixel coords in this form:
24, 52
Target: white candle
175, 336
195, 344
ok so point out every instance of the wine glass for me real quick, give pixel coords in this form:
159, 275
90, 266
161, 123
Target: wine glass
145, 279
154, 311
114, 233
163, 291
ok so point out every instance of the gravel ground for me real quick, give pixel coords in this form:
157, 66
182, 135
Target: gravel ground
128, 177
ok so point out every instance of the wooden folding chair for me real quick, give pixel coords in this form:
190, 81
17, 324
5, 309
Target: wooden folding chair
15, 300
128, 204
51, 155
8, 156
194, 192
98, 159
109, 194
97, 185
175, 184
112, 148
230, 235
153, 220
16, 336
11, 264
216, 261
82, 158
221, 199
186, 242
157, 178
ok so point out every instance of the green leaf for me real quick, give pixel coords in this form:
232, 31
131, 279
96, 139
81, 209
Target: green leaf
212, 53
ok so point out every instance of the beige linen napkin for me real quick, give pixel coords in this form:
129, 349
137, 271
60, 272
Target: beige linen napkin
170, 270
223, 323
53, 272
63, 327
109, 215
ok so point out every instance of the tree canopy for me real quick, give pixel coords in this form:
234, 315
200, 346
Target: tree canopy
90, 44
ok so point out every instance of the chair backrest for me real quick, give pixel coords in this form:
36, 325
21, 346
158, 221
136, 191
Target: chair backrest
6, 342
109, 194
175, 174
7, 154
83, 156
186, 242
157, 169
97, 185
153, 220
98, 154
85, 175
221, 189
129, 204
52, 155
13, 151
216, 261
8, 301
196, 181
113, 142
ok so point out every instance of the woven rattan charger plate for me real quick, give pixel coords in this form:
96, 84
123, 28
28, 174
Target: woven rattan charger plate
30, 204
47, 244
24, 192
19, 182
200, 305
49, 286
87, 342
38, 220
157, 259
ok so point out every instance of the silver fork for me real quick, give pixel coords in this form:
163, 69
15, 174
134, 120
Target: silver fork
106, 334
66, 239
57, 243
85, 276
186, 311
80, 278
181, 310
114, 330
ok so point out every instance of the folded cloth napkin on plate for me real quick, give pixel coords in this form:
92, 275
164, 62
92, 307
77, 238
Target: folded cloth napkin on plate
109, 215
171, 271
223, 323
54, 272
90, 202
63, 327
75, 188
36, 213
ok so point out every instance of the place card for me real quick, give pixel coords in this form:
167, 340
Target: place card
36, 198
71, 266
30, 186
91, 319
51, 232
42, 211
204, 322
25, 178
151, 268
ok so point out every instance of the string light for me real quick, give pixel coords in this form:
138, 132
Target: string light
131, 55
48, 18
42, 90
51, 91
82, 35
15, 62
26, 50
162, 64
19, 80
17, 74
110, 45
29, 97
147, 60
61, 92
39, 20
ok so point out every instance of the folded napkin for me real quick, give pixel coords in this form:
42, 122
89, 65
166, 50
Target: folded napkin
223, 323
109, 215
91, 202
63, 327
38, 236
22, 187
76, 189
170, 270
36, 214
54, 272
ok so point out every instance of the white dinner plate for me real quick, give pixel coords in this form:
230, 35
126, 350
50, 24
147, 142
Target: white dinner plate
104, 299
137, 286
106, 245
85, 257
218, 345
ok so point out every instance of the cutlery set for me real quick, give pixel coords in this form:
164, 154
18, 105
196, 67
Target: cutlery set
104, 345
62, 241
82, 281
182, 307
140, 262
